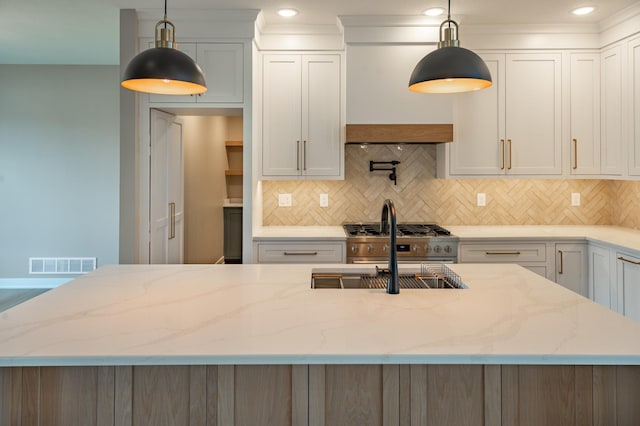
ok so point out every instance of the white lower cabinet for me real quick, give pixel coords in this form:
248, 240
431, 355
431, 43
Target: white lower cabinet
571, 267
304, 251
532, 256
600, 275
627, 285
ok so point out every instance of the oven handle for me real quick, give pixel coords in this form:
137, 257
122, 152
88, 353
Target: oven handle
414, 261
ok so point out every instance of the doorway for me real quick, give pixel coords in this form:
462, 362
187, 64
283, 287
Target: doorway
212, 179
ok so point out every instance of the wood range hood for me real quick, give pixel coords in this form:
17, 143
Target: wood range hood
399, 133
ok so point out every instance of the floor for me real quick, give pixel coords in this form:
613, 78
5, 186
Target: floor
12, 297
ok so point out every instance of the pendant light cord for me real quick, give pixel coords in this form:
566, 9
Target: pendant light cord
448, 12
165, 14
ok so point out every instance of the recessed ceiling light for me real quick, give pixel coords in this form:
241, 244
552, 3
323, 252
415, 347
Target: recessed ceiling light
287, 13
434, 11
582, 10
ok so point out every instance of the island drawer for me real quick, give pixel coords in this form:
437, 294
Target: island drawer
308, 252
502, 253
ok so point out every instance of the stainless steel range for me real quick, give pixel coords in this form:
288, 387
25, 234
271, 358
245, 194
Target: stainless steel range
416, 242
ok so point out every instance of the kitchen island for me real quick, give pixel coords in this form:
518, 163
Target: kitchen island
254, 344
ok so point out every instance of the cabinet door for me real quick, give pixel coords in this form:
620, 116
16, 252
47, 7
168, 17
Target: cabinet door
232, 234
191, 50
634, 90
222, 64
322, 146
628, 285
533, 114
478, 125
612, 135
281, 115
571, 267
585, 113
600, 275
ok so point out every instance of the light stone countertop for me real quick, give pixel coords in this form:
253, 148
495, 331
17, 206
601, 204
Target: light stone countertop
611, 235
268, 314
271, 233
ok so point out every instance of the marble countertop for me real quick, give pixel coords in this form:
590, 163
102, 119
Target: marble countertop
271, 233
268, 314
611, 235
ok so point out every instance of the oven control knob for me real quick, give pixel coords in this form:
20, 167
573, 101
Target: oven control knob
427, 249
354, 249
437, 249
385, 248
415, 248
447, 249
369, 249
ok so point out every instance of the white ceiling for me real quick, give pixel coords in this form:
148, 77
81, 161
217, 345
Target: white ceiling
86, 31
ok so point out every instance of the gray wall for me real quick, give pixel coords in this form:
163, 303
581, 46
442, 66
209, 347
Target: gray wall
59, 164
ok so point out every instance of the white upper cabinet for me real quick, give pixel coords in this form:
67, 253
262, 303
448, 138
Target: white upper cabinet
515, 126
302, 116
478, 119
223, 68
612, 107
634, 106
533, 114
585, 113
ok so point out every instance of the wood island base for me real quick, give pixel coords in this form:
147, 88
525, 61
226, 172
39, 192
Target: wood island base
321, 395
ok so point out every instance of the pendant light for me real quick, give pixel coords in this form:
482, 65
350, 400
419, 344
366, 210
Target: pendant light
450, 68
164, 69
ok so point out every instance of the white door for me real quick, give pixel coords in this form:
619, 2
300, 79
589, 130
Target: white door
321, 145
281, 115
533, 114
166, 189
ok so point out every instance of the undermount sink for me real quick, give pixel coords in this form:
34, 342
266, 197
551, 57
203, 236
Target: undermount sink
430, 277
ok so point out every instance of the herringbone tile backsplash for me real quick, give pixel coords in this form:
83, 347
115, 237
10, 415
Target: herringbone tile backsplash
419, 196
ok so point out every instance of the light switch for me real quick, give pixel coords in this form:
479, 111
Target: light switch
324, 200
575, 198
284, 200
481, 199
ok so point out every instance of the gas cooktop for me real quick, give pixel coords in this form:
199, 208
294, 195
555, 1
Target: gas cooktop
404, 230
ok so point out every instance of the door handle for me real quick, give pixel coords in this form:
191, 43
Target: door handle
297, 155
575, 154
172, 221
560, 270
501, 154
304, 155
628, 261
510, 152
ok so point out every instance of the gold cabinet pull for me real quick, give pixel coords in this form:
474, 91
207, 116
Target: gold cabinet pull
172, 221
304, 155
510, 150
297, 155
501, 253
501, 154
575, 154
628, 261
560, 270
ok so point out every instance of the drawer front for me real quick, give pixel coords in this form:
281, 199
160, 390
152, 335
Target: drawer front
301, 253
501, 253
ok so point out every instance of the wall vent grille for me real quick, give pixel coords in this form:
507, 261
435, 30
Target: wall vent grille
61, 265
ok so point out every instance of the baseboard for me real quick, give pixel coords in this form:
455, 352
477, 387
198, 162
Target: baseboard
220, 261
32, 282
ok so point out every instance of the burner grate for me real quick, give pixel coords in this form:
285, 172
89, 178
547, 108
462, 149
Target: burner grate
404, 230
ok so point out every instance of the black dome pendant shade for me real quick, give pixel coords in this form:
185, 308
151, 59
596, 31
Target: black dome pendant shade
164, 69
450, 68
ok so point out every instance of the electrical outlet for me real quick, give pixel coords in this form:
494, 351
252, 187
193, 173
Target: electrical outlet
324, 200
284, 200
575, 198
481, 199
